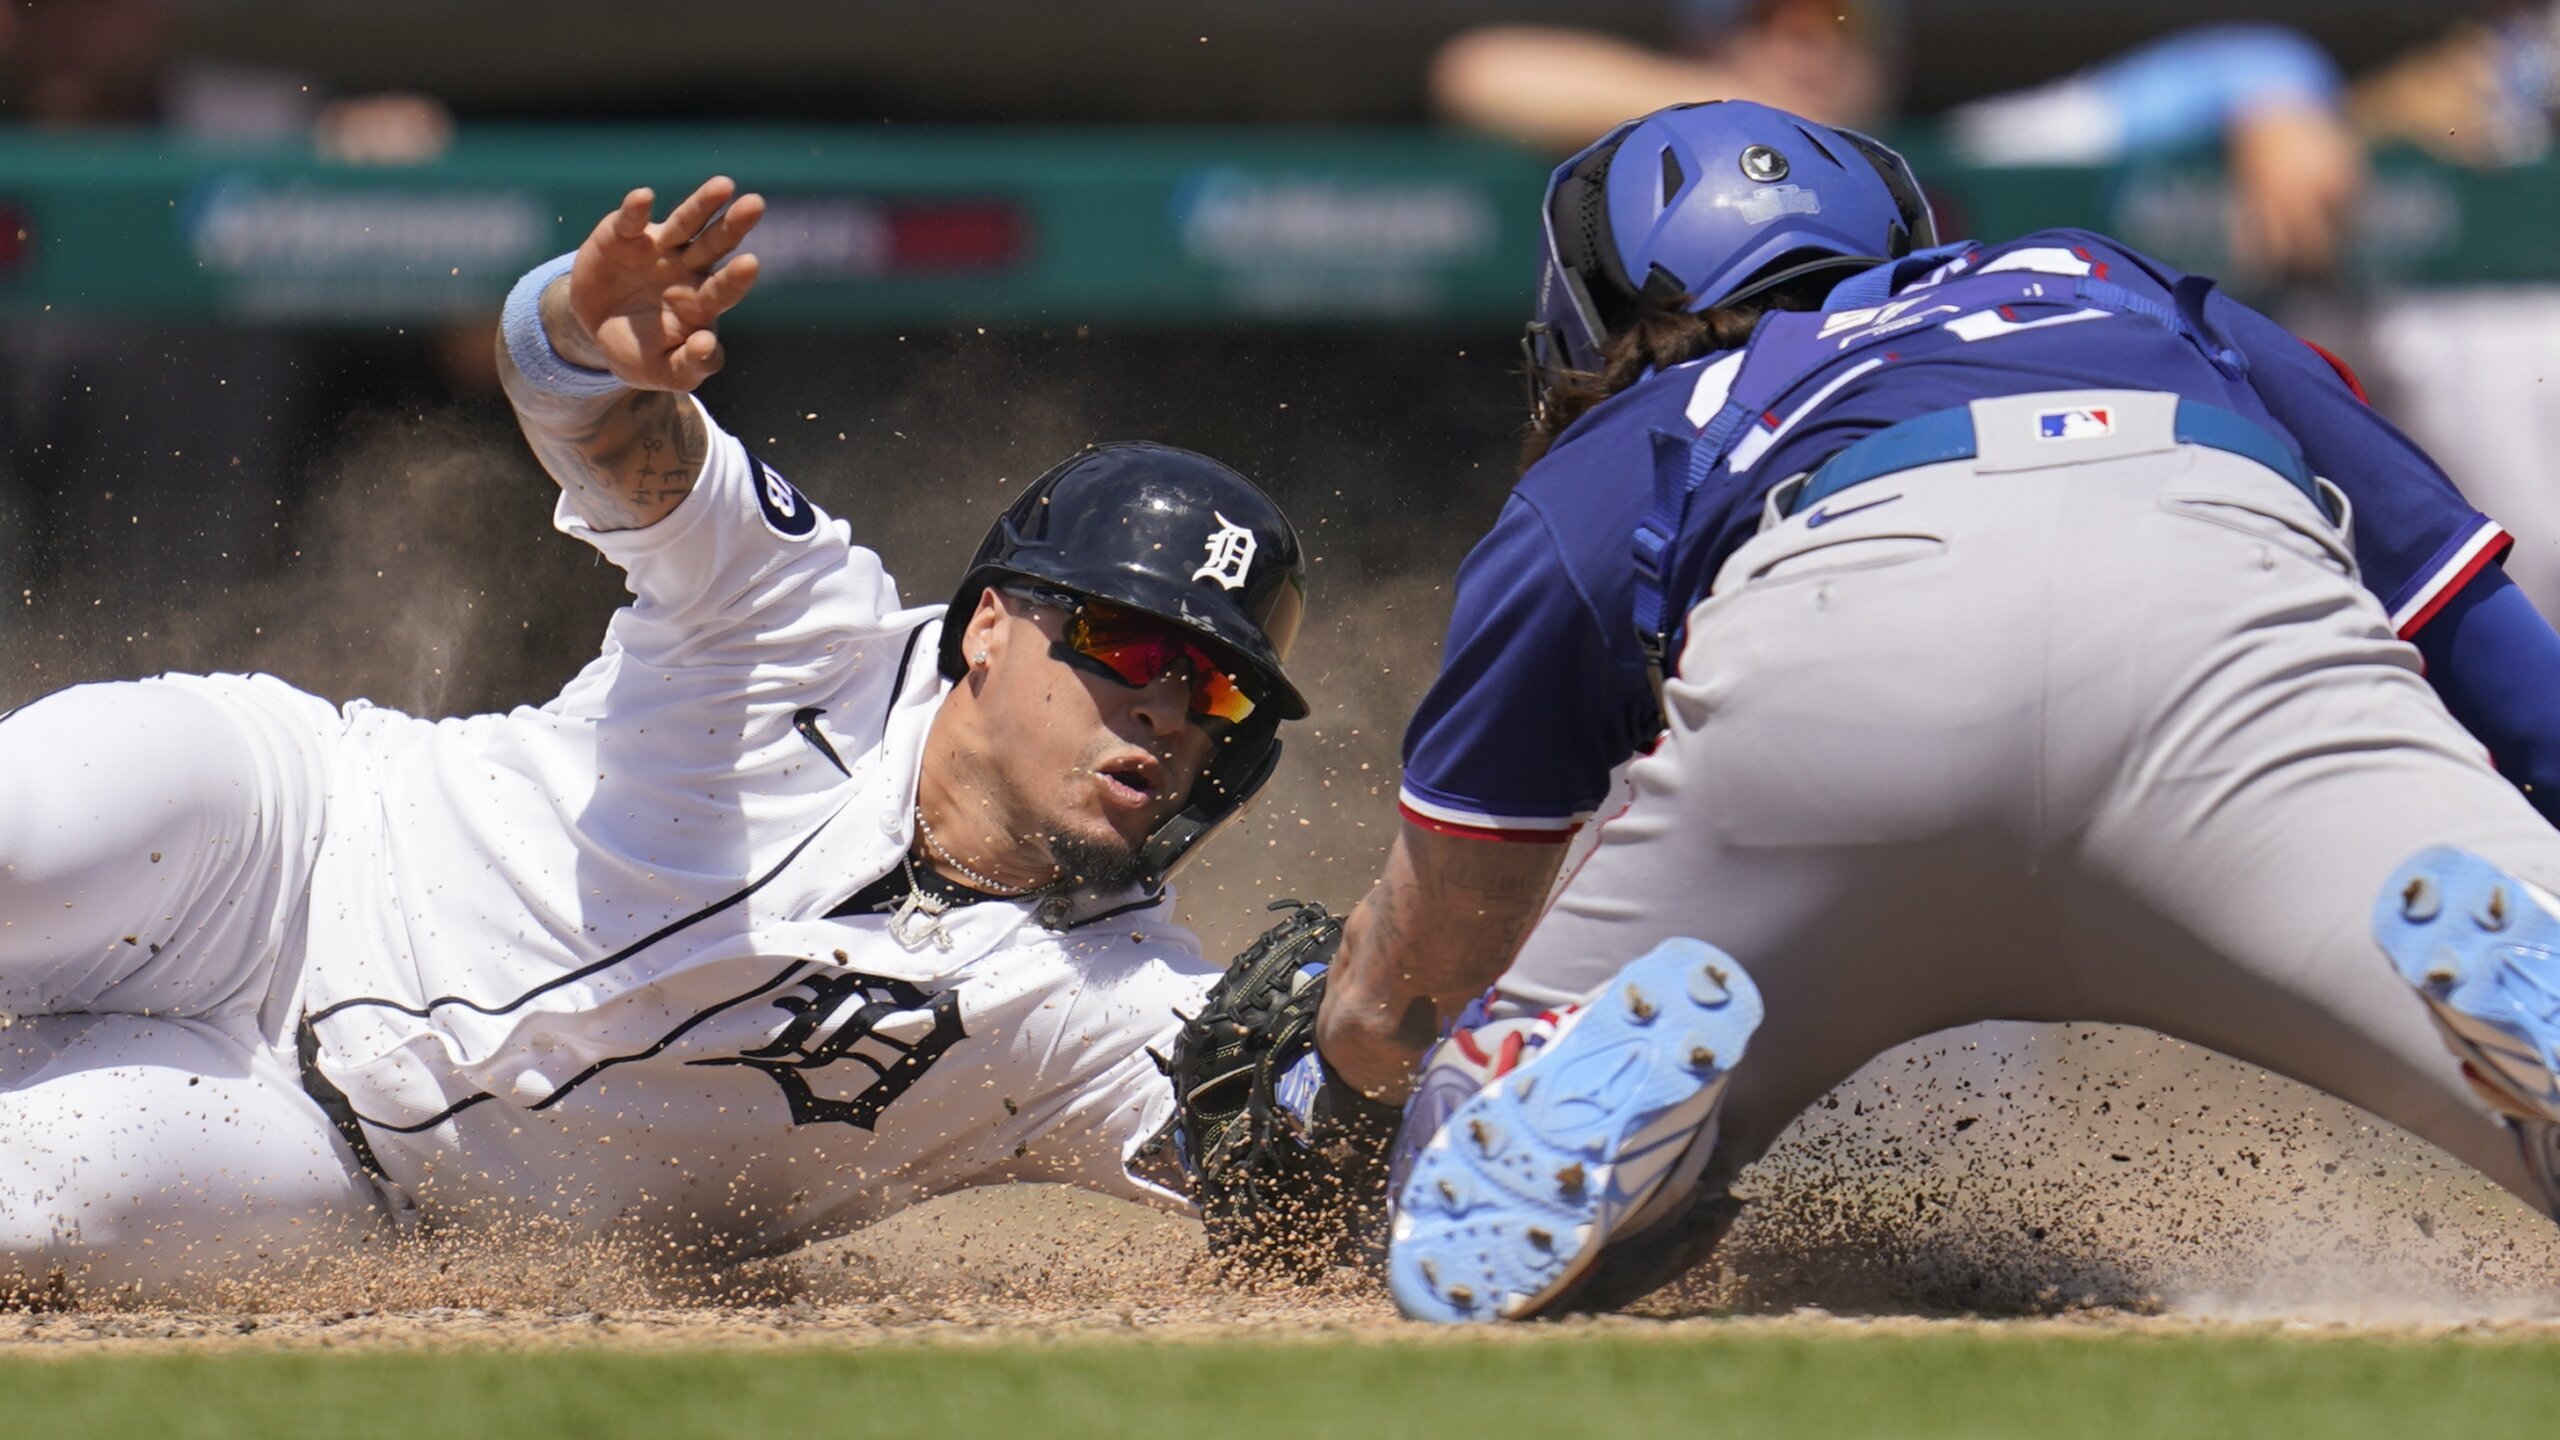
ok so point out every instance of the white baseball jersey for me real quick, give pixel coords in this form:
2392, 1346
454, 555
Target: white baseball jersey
592, 961
581, 956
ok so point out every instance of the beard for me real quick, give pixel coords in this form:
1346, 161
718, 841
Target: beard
1091, 862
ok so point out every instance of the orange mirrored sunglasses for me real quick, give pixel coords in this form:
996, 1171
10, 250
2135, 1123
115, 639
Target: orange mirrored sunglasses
1136, 649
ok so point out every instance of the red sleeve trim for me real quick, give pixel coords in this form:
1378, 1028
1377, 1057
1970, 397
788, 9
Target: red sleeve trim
1419, 820
2344, 373
2489, 555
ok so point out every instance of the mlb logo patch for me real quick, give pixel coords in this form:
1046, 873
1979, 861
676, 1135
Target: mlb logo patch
2075, 424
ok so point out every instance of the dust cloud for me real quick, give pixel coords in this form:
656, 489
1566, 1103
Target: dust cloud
2001, 1170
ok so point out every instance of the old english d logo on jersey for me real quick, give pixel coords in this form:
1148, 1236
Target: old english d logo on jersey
853, 1045
1231, 549
786, 510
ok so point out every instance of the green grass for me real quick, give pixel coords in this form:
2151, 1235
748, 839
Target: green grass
1746, 1383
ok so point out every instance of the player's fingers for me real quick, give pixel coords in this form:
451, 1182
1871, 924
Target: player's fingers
680, 313
688, 308
727, 286
622, 224
630, 219
724, 233
693, 212
697, 359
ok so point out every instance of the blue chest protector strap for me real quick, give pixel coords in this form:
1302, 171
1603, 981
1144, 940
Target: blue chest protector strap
1680, 466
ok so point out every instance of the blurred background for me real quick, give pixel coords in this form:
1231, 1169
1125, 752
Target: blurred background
251, 253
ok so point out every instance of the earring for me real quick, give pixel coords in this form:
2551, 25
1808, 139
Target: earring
980, 659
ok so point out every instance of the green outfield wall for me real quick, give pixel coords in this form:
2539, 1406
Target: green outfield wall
876, 227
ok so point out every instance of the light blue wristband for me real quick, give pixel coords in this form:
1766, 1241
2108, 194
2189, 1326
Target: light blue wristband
530, 346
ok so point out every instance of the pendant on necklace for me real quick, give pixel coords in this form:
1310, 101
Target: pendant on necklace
917, 921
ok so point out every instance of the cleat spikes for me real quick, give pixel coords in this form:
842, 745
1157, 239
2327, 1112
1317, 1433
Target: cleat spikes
1614, 1113
2495, 912
2491, 984
1708, 986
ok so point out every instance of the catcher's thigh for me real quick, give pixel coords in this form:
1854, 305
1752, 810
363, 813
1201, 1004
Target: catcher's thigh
163, 1160
156, 842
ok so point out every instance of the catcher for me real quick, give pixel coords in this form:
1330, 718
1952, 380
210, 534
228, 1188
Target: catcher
2029, 631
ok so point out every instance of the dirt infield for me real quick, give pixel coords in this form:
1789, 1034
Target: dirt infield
2089, 1178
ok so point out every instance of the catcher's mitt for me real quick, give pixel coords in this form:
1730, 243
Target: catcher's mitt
1288, 1166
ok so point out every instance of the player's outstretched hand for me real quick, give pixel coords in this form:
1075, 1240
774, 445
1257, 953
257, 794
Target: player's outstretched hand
644, 297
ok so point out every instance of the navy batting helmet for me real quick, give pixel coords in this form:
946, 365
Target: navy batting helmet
1189, 541
1714, 202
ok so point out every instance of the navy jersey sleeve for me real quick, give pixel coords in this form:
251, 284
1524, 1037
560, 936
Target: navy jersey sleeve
2417, 540
2496, 662
1517, 737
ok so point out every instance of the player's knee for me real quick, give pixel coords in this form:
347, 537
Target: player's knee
160, 1160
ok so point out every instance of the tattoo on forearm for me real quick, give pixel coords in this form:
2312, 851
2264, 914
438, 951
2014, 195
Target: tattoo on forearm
603, 451
1440, 926
1452, 911
625, 460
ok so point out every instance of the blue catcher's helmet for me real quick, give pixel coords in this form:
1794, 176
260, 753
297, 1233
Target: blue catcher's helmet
1716, 202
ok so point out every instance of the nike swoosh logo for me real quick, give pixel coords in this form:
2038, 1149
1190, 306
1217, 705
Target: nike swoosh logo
1823, 514
806, 722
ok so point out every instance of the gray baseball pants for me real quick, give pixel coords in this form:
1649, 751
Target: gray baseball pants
2119, 741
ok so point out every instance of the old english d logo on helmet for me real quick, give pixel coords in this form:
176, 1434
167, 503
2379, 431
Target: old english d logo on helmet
1231, 550
1165, 531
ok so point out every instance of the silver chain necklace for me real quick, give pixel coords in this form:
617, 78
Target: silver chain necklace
917, 922
993, 887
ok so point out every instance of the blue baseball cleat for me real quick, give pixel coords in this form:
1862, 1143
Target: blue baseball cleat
2482, 948
1526, 1182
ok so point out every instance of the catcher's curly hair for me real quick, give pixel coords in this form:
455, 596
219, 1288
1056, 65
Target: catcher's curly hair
1663, 333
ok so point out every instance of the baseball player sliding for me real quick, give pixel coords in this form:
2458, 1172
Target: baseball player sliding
2033, 632
795, 906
